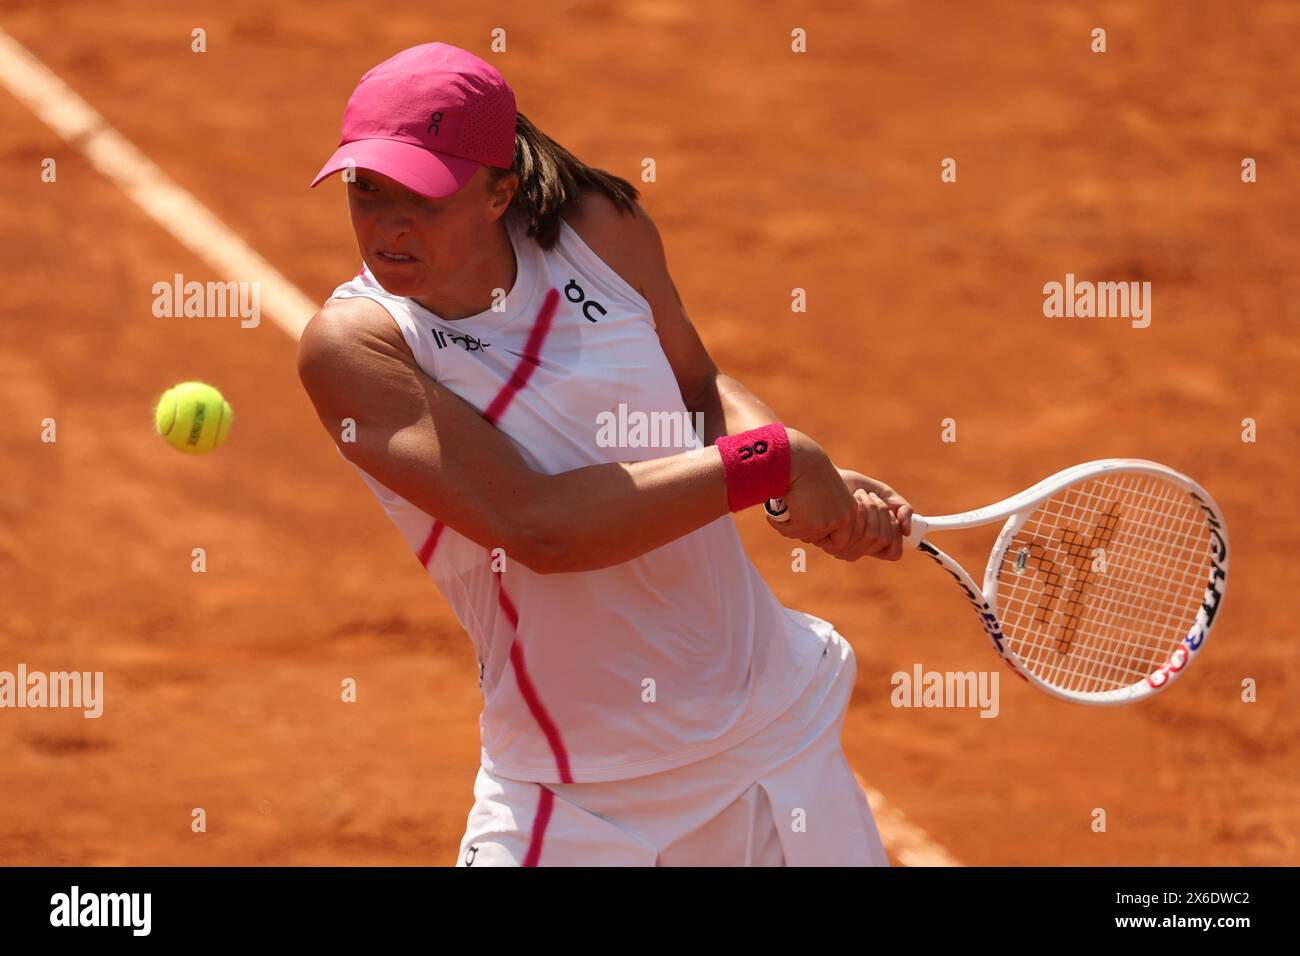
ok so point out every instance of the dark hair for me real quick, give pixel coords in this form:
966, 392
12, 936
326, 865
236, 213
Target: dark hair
549, 177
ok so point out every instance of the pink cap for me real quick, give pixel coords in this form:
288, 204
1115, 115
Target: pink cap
428, 118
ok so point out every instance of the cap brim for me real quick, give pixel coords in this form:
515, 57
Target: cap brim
430, 174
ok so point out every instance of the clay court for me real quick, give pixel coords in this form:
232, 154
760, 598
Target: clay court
775, 170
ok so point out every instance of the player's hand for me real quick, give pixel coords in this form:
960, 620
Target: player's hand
821, 507
883, 517
900, 506
876, 532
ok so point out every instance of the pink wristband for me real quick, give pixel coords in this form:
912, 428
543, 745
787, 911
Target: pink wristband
757, 465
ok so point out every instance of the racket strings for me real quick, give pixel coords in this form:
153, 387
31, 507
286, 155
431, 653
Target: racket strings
1104, 580
1063, 588
1123, 653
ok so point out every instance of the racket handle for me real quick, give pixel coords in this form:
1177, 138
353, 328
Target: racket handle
777, 511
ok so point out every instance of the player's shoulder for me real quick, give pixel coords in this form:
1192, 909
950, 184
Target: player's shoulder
624, 237
358, 309
349, 318
345, 327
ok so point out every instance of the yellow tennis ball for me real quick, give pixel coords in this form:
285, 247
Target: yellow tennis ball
192, 417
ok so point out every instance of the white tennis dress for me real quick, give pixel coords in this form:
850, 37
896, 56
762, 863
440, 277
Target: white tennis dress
644, 685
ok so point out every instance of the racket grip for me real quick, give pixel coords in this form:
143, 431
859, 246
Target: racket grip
776, 509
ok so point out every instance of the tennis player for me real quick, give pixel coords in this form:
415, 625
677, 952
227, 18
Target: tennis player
647, 700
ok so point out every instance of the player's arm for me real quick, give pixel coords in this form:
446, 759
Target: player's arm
631, 245
724, 403
434, 449
728, 406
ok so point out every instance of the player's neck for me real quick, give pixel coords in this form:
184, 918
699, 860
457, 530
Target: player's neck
474, 290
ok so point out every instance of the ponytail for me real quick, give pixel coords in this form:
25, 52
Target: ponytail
549, 177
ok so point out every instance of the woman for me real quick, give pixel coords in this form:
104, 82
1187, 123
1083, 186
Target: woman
646, 698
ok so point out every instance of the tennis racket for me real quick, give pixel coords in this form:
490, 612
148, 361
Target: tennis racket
1104, 581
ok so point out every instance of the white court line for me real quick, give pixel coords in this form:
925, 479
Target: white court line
911, 845
187, 219
195, 227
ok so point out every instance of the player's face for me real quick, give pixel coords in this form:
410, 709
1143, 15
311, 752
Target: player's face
414, 244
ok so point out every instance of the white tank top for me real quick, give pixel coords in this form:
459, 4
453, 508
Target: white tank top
597, 675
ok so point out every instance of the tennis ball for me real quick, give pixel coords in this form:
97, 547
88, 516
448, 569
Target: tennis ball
192, 417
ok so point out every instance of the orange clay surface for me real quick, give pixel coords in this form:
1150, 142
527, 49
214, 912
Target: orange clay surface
774, 171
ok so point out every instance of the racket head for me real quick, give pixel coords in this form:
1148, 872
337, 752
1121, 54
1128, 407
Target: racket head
1107, 581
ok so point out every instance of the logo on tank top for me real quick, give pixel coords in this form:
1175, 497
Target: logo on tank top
588, 305
468, 342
